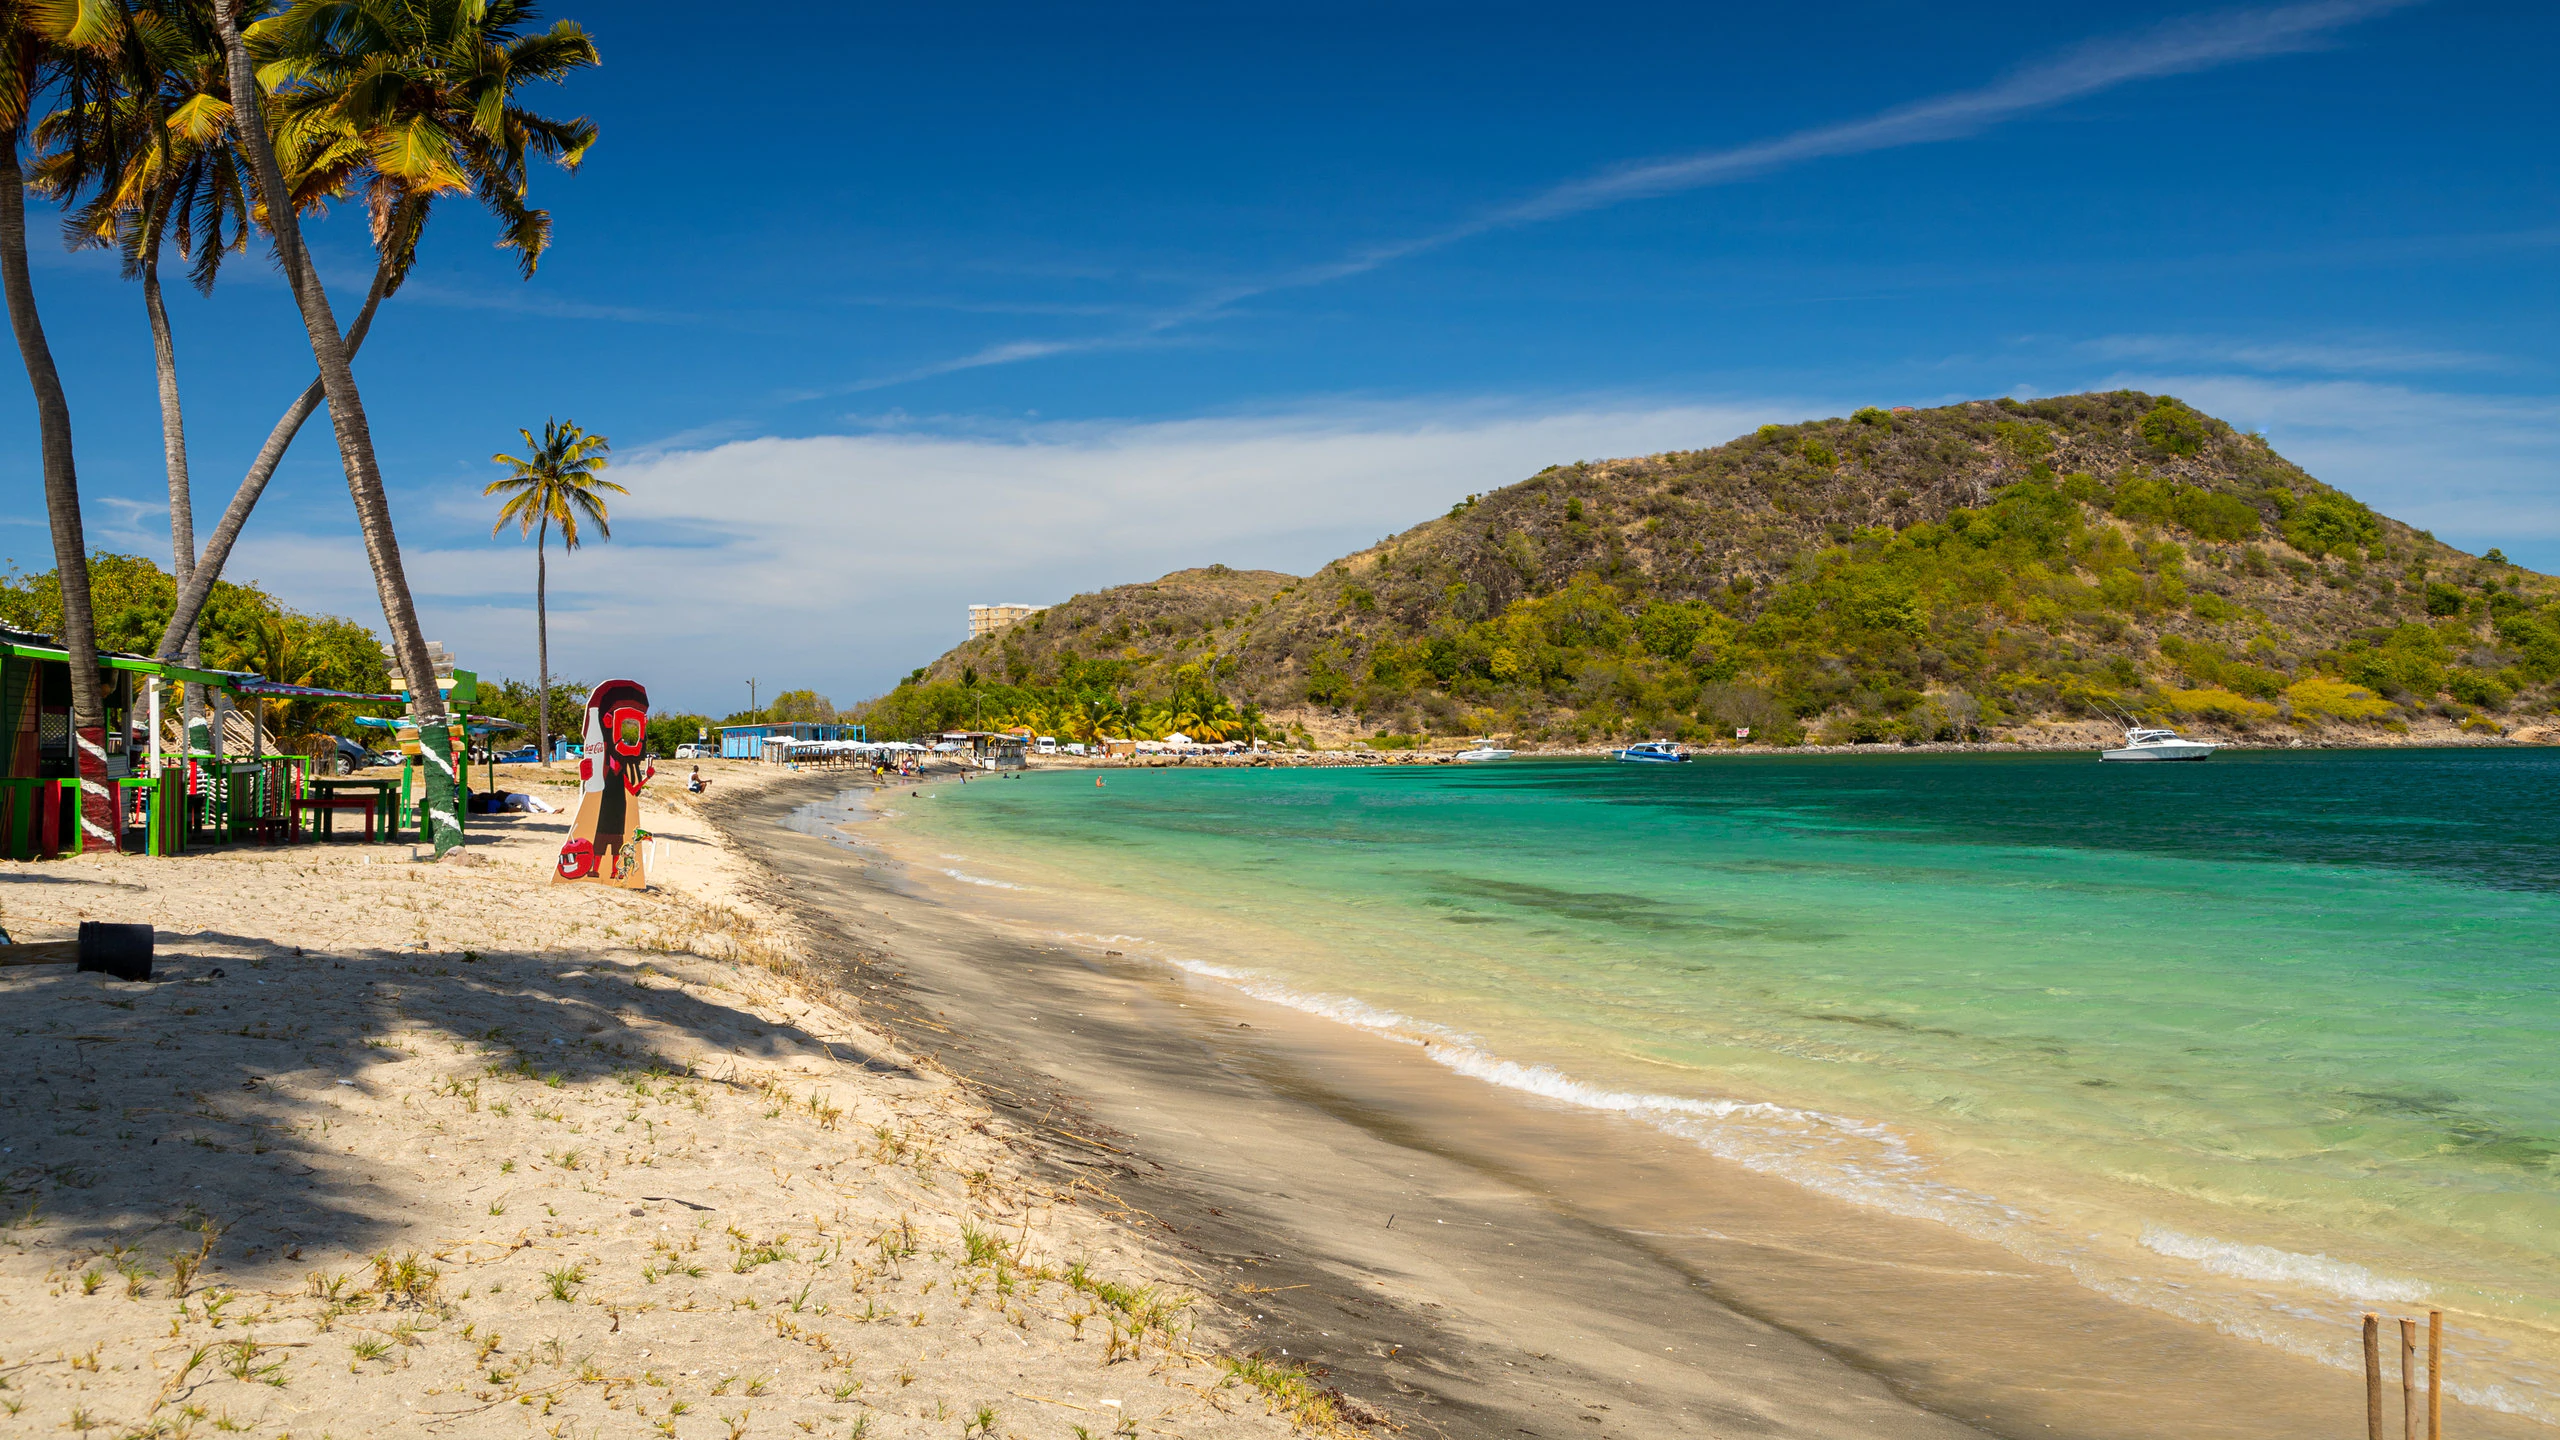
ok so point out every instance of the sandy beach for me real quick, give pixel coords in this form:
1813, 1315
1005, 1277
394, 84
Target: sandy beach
811, 1140
396, 1148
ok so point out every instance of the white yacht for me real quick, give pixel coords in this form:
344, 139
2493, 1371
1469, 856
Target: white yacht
2147, 743
1486, 751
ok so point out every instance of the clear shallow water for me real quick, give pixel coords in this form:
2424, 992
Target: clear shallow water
2261, 1042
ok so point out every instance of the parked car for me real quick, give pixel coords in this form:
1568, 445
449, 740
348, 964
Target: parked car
697, 752
524, 756
1045, 745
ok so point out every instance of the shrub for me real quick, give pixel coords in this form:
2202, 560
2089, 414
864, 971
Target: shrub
2443, 599
2218, 704
2328, 695
1871, 415
2473, 688
2207, 514
2327, 524
2175, 428
2027, 442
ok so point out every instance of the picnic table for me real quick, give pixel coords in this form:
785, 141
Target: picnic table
379, 799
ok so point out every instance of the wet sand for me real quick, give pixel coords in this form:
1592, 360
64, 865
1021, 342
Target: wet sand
1477, 1262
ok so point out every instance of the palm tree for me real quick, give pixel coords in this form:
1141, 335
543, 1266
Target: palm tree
54, 46
278, 649
354, 434
177, 173
416, 100
556, 480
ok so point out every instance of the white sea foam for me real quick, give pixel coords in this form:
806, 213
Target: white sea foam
2344, 1279
1869, 1164
979, 880
1852, 1159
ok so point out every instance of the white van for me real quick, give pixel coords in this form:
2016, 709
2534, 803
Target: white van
1045, 745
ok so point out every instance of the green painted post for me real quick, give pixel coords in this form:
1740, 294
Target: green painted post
442, 807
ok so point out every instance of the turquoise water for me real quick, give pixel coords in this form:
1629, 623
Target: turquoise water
2261, 1042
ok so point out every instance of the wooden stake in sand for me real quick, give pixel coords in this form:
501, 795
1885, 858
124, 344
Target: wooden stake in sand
2408, 1380
2372, 1376
2435, 1375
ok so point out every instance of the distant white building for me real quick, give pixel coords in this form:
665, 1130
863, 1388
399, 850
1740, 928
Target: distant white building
988, 619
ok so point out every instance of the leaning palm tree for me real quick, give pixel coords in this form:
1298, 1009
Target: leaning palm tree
556, 480
411, 101
180, 176
354, 434
61, 48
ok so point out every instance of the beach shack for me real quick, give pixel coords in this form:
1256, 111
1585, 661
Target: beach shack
988, 749
746, 742
129, 799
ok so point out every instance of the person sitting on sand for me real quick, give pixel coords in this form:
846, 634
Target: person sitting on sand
500, 802
694, 784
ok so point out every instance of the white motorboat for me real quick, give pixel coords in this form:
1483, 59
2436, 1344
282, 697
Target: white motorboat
1653, 752
1484, 752
2149, 743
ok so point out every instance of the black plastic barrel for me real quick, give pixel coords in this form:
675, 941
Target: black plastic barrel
123, 951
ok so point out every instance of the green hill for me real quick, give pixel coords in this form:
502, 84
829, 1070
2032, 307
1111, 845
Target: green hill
1921, 574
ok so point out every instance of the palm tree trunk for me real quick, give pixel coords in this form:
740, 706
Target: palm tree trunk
542, 640
197, 588
61, 502
173, 447
355, 437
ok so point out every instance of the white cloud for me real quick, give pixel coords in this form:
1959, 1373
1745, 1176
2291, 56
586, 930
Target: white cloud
841, 562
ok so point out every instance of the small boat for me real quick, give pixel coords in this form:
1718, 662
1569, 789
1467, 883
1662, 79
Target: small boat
1653, 752
1484, 752
2146, 743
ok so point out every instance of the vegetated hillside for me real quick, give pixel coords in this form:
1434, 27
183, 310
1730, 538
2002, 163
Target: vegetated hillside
1917, 574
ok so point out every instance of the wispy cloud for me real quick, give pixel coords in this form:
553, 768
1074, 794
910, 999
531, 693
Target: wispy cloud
2318, 357
531, 302
1072, 308
2177, 47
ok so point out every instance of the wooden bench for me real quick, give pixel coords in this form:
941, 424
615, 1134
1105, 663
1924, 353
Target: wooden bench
324, 808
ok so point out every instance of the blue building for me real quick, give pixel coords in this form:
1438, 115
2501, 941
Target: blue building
746, 742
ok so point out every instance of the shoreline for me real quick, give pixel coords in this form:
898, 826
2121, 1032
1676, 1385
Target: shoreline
1366, 1265
2522, 735
1892, 1331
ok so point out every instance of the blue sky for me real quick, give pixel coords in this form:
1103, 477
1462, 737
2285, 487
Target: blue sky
1005, 302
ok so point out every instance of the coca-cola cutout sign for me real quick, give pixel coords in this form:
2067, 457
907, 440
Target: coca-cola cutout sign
604, 843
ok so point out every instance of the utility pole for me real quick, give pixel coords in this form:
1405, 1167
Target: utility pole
751, 695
